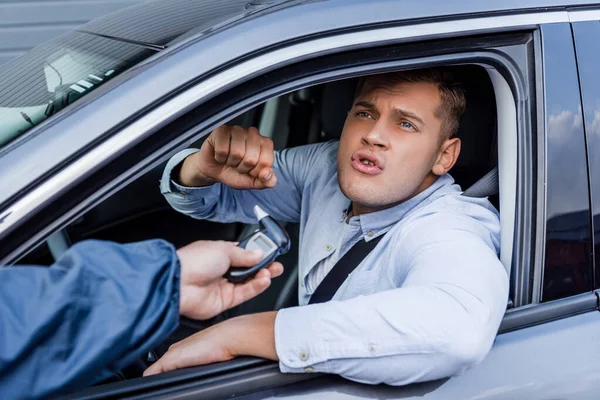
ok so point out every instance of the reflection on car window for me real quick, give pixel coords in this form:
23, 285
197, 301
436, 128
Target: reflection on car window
54, 75
568, 261
586, 35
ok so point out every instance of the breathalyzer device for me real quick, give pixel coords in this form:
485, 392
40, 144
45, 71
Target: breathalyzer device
271, 238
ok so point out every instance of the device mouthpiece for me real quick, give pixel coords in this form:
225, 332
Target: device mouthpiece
260, 213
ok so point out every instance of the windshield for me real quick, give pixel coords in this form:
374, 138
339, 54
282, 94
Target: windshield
54, 75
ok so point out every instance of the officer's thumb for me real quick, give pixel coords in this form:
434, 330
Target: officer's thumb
239, 257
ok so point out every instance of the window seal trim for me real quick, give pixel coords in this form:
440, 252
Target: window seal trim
535, 314
540, 217
257, 374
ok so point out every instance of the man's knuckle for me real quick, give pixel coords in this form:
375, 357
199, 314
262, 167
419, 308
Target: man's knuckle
236, 154
265, 162
222, 152
250, 161
268, 142
223, 130
238, 131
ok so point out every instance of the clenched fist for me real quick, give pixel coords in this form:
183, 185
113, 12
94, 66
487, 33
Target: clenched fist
234, 156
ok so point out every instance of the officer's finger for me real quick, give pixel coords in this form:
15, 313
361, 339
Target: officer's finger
239, 257
275, 269
252, 288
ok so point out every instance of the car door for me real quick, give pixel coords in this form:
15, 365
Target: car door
545, 341
546, 347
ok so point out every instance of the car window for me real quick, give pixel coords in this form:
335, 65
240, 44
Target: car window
56, 74
588, 60
568, 263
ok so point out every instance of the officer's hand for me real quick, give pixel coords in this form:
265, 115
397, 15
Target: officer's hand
237, 157
204, 292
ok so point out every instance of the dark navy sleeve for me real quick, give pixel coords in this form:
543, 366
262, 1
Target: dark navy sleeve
96, 310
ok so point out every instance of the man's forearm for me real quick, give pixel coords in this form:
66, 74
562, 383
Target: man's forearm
189, 175
254, 335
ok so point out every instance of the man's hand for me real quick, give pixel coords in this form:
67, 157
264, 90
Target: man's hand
237, 157
249, 335
204, 292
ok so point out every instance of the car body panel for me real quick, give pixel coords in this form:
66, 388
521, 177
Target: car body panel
524, 364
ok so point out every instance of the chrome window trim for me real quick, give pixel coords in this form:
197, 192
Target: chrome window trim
76, 171
535, 314
584, 15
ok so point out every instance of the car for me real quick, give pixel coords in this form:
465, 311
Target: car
90, 119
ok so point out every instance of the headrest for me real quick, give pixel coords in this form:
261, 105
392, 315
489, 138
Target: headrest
477, 129
336, 100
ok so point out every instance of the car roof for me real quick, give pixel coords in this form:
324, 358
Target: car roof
161, 23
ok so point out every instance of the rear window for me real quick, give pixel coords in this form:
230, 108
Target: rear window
54, 75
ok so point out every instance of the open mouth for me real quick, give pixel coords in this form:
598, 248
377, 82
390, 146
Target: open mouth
367, 163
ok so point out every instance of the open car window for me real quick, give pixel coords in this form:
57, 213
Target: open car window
55, 75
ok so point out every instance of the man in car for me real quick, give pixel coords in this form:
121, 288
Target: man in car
425, 303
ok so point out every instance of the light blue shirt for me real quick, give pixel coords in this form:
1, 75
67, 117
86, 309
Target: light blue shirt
426, 303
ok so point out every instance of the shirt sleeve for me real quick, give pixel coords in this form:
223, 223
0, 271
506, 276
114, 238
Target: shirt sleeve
100, 307
440, 320
221, 203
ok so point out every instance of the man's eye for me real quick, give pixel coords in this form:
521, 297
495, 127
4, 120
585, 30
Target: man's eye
363, 114
407, 125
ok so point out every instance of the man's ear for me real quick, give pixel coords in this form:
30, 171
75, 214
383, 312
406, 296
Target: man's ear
447, 156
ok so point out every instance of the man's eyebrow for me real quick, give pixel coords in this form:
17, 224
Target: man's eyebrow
399, 112
365, 104
407, 114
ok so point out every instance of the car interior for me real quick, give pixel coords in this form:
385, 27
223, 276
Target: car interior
309, 115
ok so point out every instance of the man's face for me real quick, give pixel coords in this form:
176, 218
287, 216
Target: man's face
389, 145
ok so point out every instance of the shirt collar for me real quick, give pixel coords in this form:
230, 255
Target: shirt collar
377, 222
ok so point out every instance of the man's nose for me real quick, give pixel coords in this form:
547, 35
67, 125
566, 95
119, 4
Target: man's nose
377, 136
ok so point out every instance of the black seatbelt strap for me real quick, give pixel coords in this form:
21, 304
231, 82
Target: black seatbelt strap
342, 269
